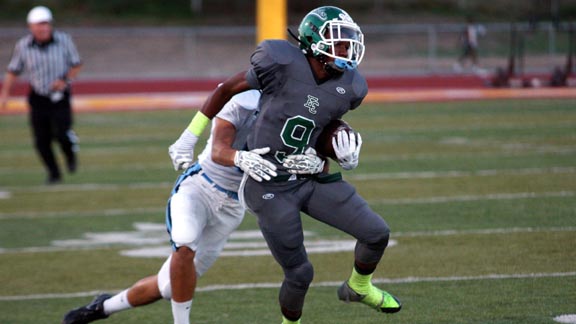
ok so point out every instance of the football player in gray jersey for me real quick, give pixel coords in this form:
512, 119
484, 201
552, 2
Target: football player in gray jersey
303, 89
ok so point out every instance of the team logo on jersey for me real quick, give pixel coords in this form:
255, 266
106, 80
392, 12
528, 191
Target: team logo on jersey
341, 90
312, 104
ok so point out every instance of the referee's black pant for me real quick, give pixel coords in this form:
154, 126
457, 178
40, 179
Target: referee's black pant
53, 121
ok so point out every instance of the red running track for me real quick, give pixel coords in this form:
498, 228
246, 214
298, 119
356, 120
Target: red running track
82, 87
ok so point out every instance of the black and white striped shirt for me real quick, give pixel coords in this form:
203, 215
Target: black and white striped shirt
44, 63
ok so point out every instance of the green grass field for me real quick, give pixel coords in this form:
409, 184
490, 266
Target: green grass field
480, 196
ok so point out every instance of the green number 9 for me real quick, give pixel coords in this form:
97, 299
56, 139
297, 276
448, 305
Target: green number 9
295, 134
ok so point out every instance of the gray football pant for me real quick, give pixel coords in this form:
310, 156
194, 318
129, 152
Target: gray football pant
278, 205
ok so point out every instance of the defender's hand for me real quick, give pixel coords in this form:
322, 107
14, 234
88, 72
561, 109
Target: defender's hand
254, 165
307, 163
182, 151
181, 158
347, 148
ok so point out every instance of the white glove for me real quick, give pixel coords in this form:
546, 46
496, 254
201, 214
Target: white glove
347, 148
182, 151
254, 165
307, 163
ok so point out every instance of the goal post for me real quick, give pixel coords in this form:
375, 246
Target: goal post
270, 19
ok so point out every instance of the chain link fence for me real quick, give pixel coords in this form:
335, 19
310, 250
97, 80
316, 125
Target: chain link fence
215, 52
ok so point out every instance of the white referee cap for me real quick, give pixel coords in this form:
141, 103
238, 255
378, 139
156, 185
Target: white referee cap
39, 14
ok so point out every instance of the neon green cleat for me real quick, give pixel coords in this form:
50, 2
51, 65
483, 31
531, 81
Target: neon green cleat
287, 321
376, 298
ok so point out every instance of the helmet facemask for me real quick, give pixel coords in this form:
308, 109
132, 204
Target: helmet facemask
336, 33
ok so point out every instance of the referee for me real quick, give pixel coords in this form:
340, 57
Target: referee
51, 60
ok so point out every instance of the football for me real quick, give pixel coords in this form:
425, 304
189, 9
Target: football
324, 143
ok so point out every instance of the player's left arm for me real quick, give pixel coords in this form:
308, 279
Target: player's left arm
347, 144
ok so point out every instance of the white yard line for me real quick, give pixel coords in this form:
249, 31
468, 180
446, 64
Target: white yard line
384, 201
92, 187
244, 286
84, 213
495, 196
353, 177
489, 231
457, 174
560, 150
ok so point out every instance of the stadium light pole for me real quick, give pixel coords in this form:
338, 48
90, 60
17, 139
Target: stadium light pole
270, 19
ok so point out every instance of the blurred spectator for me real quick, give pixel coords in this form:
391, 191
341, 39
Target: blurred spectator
469, 44
52, 62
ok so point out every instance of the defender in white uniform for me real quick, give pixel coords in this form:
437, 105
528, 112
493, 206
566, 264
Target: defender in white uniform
203, 209
201, 214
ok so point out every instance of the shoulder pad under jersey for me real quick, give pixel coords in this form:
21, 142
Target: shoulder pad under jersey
278, 51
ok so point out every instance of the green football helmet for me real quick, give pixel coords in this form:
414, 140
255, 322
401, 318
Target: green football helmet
326, 26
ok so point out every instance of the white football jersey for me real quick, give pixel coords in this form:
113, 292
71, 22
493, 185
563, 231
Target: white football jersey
241, 111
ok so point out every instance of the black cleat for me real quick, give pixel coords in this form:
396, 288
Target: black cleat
89, 313
53, 180
72, 163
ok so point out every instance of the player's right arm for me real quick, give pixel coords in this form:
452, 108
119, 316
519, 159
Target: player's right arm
223, 135
9, 80
251, 162
182, 151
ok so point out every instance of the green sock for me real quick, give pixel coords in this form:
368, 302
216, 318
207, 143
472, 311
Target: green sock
287, 321
360, 283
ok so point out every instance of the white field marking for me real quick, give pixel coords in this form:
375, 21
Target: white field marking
249, 249
133, 166
266, 285
489, 231
93, 187
510, 150
5, 194
566, 319
443, 156
445, 199
162, 251
153, 234
84, 213
455, 174
384, 201
358, 177
154, 239
481, 126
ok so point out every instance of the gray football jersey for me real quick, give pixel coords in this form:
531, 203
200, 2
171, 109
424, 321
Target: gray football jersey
240, 111
294, 107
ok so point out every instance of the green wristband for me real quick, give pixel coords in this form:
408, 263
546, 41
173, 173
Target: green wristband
198, 123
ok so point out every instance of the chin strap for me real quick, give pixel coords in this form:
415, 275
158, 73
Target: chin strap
330, 67
333, 68
291, 33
